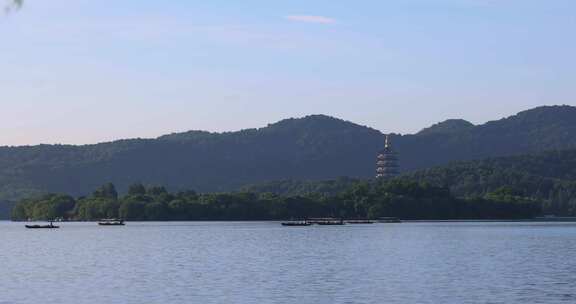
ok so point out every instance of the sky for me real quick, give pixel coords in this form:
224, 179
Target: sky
87, 71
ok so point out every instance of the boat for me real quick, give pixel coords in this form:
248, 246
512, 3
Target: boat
296, 223
330, 222
50, 226
326, 221
111, 222
359, 222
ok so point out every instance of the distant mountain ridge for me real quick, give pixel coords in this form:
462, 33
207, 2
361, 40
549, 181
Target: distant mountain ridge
450, 126
315, 147
536, 130
299, 148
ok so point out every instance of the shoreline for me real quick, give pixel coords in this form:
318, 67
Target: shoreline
536, 220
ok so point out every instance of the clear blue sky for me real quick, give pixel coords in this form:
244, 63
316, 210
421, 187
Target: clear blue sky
84, 71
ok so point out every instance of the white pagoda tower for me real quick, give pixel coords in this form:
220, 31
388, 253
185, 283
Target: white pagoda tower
387, 161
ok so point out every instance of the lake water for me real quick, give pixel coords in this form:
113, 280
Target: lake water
263, 262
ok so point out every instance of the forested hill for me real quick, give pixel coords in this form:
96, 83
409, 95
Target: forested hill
549, 178
536, 130
311, 148
314, 147
531, 174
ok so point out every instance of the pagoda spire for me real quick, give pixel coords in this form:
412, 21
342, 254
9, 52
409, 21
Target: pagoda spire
387, 161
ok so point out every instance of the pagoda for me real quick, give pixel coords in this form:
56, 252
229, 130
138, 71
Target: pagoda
387, 161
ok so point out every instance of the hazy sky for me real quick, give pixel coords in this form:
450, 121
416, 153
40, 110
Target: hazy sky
84, 71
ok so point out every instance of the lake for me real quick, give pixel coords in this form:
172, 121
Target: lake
263, 262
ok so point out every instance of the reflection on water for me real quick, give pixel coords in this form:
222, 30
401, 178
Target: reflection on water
267, 263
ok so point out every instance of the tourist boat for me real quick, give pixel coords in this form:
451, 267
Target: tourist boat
50, 226
296, 223
359, 222
330, 222
326, 221
111, 222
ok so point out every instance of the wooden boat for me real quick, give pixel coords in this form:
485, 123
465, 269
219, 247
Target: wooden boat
51, 226
111, 222
296, 224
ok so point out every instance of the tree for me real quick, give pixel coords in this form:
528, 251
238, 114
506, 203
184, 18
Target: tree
373, 199
19, 213
132, 210
156, 211
137, 189
156, 190
106, 191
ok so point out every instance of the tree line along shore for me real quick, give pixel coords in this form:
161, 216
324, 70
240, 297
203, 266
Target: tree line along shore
366, 199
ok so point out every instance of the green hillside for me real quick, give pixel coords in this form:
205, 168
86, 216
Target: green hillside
312, 148
536, 130
548, 177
